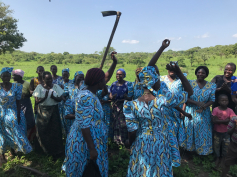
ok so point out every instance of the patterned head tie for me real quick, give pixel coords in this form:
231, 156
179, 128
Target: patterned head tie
121, 69
6, 69
148, 77
65, 70
94, 76
76, 74
18, 72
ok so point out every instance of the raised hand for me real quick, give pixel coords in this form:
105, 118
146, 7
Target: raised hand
173, 67
166, 43
113, 56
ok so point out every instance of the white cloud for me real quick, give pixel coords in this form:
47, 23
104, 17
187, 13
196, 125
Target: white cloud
235, 35
130, 41
174, 38
206, 35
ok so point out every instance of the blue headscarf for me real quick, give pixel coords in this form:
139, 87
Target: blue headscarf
76, 74
6, 69
121, 69
65, 70
148, 77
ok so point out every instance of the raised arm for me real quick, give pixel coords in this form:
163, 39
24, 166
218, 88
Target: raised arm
110, 72
187, 87
155, 58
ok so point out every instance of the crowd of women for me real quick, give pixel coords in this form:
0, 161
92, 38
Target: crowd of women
154, 116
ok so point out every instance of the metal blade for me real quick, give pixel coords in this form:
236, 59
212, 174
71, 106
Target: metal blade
108, 13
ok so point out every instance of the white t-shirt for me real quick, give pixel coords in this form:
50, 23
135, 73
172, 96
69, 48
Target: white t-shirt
40, 93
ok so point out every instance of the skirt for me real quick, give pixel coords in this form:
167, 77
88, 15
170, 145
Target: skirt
49, 130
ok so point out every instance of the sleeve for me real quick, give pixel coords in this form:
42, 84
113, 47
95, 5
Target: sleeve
130, 89
231, 124
232, 114
19, 91
173, 100
214, 112
58, 90
214, 79
131, 121
84, 109
69, 107
212, 95
37, 92
99, 94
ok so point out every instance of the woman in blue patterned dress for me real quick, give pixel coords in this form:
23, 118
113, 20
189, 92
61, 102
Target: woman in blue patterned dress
12, 120
174, 85
64, 83
54, 71
154, 147
69, 106
198, 132
88, 135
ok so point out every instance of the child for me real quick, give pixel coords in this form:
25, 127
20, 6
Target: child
231, 156
221, 117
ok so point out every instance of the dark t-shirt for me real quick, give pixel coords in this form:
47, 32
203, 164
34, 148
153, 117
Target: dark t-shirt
219, 81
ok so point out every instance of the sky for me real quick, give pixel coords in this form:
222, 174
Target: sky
78, 26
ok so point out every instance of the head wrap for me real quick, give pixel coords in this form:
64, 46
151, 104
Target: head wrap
138, 70
18, 72
204, 68
121, 69
6, 69
148, 77
94, 76
76, 74
65, 70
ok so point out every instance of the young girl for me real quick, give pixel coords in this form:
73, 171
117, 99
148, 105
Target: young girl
221, 117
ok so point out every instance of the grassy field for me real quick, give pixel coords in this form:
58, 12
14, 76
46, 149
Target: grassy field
118, 157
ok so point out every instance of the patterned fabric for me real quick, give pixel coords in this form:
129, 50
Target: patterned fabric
233, 85
174, 87
230, 126
55, 81
198, 131
118, 120
89, 114
48, 129
61, 104
65, 70
76, 74
6, 69
12, 134
69, 108
148, 77
221, 143
126, 88
155, 149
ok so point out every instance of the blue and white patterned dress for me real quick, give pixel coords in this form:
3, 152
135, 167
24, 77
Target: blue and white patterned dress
198, 131
89, 114
56, 81
175, 87
155, 149
12, 134
66, 86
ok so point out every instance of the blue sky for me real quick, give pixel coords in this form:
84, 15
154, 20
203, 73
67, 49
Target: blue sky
78, 27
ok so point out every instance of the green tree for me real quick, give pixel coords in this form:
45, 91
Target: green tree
10, 37
191, 52
181, 60
204, 57
111, 49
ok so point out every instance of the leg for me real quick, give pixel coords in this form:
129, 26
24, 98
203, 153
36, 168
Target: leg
225, 145
217, 145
